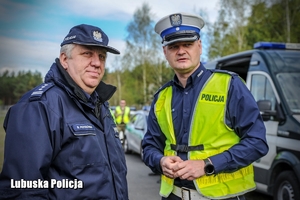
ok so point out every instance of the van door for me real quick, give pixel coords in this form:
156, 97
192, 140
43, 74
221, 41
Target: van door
262, 88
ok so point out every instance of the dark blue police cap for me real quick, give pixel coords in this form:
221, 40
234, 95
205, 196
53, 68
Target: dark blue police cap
88, 35
179, 27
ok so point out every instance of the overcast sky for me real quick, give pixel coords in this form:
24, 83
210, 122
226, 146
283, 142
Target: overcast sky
31, 31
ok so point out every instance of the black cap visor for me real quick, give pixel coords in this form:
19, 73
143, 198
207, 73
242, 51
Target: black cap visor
108, 48
180, 36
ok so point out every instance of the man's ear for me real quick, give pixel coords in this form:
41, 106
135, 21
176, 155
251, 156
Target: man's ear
164, 48
200, 42
63, 60
200, 46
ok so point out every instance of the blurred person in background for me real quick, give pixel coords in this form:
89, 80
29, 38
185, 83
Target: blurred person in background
122, 117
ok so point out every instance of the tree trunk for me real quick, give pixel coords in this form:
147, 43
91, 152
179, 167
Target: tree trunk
119, 85
288, 26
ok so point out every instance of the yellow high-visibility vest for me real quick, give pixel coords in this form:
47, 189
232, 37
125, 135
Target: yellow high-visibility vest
125, 115
208, 128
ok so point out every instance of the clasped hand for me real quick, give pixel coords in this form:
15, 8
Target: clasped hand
175, 167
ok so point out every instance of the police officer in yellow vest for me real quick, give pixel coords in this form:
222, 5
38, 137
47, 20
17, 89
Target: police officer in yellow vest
122, 117
204, 126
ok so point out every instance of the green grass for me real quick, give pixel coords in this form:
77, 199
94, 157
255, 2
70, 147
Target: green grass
2, 136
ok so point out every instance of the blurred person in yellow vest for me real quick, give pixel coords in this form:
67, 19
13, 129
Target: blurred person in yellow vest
122, 116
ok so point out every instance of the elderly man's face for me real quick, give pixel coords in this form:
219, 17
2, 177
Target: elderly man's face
86, 66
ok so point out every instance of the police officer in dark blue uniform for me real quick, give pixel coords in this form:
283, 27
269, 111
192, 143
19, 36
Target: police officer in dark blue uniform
204, 127
61, 140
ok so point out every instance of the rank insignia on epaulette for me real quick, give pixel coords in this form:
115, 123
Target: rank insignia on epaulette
38, 92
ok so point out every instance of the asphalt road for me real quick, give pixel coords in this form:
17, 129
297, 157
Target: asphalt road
142, 184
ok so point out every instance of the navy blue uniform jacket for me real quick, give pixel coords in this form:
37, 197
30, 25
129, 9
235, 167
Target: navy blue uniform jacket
55, 133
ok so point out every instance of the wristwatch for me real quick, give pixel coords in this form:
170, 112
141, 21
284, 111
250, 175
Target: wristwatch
209, 168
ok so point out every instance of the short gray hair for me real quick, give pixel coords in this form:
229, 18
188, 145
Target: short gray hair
67, 49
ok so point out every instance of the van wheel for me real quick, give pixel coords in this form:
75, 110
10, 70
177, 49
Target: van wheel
286, 186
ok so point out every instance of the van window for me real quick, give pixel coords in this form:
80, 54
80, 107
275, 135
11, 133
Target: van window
290, 86
261, 89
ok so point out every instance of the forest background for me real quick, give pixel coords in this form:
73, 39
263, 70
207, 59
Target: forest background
142, 69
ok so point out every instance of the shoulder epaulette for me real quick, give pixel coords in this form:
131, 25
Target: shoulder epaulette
232, 74
40, 90
224, 72
163, 87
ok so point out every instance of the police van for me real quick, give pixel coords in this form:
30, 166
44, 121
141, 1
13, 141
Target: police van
272, 74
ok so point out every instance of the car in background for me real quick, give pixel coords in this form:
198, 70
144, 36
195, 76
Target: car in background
134, 132
146, 107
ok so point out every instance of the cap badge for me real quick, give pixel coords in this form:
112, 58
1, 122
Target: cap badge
97, 36
176, 19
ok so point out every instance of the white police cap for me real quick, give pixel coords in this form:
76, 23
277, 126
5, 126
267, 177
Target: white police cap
179, 27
